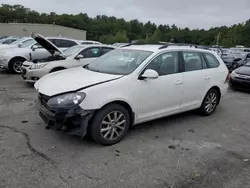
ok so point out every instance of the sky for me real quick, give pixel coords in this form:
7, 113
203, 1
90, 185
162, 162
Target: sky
183, 13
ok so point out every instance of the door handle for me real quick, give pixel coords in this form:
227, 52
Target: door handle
179, 82
207, 77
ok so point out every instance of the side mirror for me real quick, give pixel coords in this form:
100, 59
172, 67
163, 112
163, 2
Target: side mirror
34, 47
149, 74
79, 56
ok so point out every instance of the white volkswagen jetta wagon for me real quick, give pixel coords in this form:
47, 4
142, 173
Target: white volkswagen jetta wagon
131, 85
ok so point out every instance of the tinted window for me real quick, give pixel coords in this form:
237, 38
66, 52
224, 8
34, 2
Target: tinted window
106, 50
91, 52
9, 41
63, 43
87, 43
192, 61
165, 64
211, 60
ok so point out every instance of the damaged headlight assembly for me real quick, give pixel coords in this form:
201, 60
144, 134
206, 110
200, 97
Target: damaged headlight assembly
66, 101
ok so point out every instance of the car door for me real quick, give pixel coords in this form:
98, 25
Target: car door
196, 79
162, 96
88, 55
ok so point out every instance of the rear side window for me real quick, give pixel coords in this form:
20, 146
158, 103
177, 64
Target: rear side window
106, 50
211, 60
63, 43
192, 61
87, 43
90, 52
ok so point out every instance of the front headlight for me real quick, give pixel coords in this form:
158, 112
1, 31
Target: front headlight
38, 66
234, 74
69, 100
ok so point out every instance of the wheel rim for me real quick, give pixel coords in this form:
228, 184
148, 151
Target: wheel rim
113, 125
17, 66
211, 102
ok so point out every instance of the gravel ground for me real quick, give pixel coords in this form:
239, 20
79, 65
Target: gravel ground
183, 151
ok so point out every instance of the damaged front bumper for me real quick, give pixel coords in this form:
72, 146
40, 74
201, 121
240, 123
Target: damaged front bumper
72, 121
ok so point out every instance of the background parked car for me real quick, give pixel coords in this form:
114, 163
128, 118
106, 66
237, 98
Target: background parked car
12, 59
240, 77
16, 44
75, 56
9, 40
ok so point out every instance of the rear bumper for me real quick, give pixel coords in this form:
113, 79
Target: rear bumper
239, 83
70, 121
224, 89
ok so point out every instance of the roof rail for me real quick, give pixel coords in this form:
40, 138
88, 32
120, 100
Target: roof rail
178, 44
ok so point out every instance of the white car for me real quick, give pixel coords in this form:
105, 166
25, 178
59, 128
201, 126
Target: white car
75, 56
16, 44
12, 59
131, 85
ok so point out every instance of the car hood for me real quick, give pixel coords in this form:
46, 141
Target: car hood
49, 46
71, 80
243, 70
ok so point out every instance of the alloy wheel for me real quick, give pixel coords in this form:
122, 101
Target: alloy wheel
211, 102
17, 66
113, 125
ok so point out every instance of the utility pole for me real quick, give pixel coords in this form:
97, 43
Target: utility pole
218, 39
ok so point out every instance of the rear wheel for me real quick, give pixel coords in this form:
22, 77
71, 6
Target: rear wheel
110, 124
210, 102
15, 65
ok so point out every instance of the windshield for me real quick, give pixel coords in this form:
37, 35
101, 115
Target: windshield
9, 41
27, 43
72, 50
119, 61
17, 41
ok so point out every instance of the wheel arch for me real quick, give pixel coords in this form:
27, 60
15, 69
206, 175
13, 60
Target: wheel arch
125, 105
17, 57
217, 89
57, 68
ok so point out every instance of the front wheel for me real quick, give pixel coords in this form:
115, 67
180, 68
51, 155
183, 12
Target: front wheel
210, 102
15, 65
110, 124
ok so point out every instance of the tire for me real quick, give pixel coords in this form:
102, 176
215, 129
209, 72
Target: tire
212, 95
102, 115
15, 65
57, 69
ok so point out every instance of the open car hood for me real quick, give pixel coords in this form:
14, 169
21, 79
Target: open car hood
49, 46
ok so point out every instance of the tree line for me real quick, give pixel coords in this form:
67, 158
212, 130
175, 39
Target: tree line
111, 29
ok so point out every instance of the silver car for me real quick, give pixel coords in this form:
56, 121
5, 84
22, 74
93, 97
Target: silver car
75, 56
12, 59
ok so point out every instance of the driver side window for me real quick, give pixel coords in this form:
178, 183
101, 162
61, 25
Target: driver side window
165, 64
90, 52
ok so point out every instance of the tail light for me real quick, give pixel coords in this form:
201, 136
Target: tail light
227, 78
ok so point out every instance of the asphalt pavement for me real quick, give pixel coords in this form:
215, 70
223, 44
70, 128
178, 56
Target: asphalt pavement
182, 151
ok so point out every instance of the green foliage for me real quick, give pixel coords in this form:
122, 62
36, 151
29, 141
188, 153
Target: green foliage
110, 29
